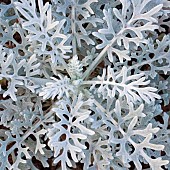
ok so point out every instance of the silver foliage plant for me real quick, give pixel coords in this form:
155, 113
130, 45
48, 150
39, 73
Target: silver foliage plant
86, 84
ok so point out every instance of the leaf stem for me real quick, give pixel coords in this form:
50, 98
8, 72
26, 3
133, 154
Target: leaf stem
73, 28
30, 131
103, 82
101, 55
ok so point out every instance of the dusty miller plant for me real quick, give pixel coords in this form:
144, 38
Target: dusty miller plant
84, 82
